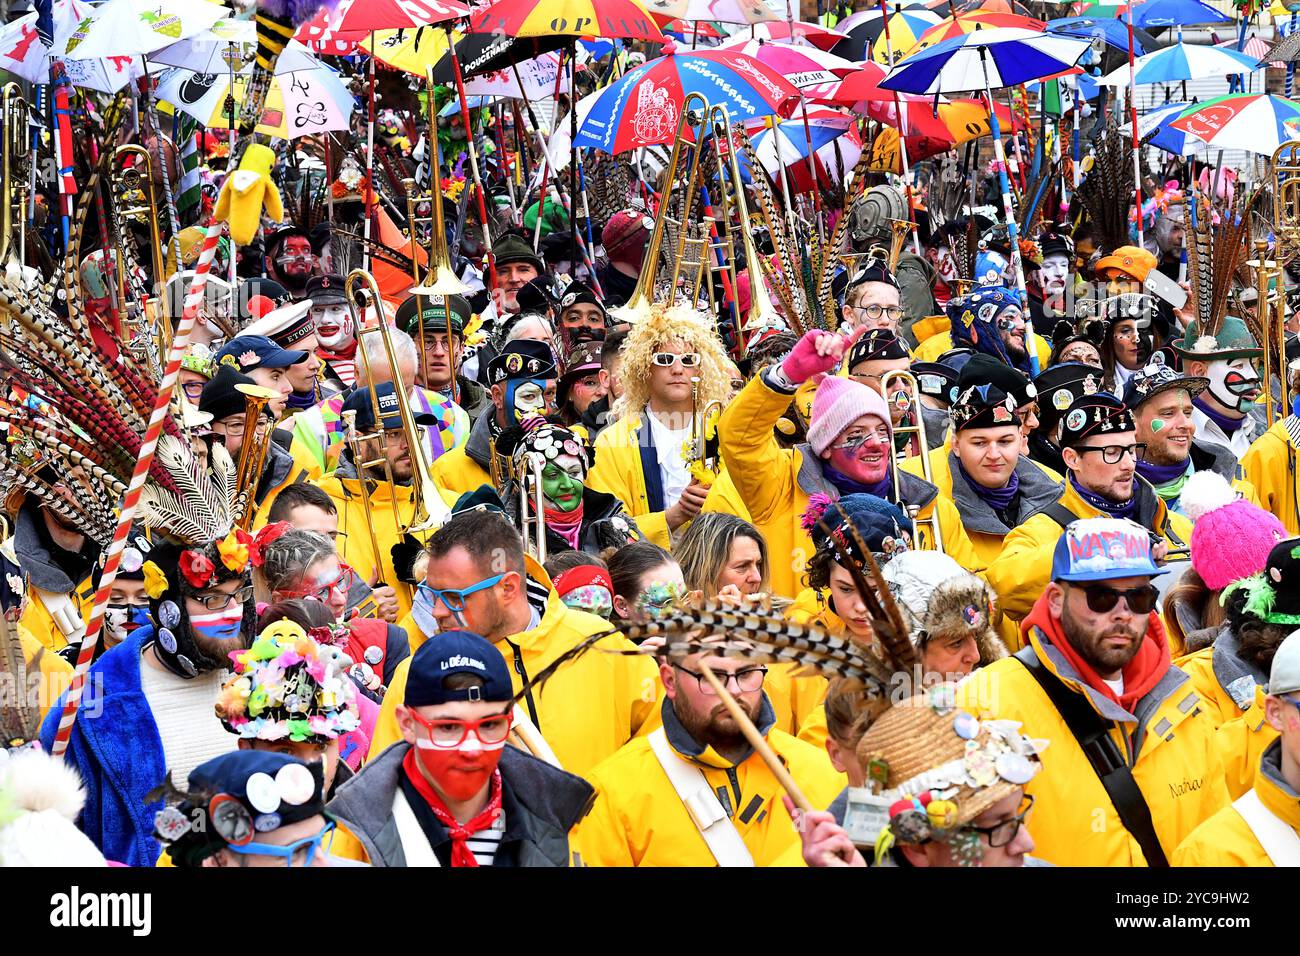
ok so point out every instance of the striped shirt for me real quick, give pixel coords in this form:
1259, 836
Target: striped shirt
484, 844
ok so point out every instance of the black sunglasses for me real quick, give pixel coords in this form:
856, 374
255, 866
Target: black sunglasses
1102, 599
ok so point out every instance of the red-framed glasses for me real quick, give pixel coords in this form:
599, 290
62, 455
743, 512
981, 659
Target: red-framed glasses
338, 588
447, 732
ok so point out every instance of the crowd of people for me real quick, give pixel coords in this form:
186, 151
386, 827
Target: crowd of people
569, 568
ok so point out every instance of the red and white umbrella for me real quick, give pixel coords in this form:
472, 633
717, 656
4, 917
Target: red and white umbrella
809, 34
352, 16
803, 66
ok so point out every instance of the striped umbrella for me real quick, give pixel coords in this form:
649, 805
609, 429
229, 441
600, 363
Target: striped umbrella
1182, 61
1255, 122
904, 30
962, 23
810, 34
1154, 123
628, 19
803, 66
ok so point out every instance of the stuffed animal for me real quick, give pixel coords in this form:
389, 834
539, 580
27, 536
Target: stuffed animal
246, 192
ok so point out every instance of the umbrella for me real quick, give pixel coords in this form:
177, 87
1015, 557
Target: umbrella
299, 103
1174, 13
132, 27
627, 19
23, 53
1255, 47
723, 11
989, 6
809, 34
865, 25
803, 66
985, 59
1112, 32
412, 51
363, 16
963, 23
317, 35
835, 152
1156, 121
642, 107
855, 89
211, 51
703, 29
900, 32
1255, 122
1182, 61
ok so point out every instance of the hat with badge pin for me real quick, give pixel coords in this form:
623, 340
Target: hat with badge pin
578, 293
878, 345
984, 369
1156, 378
1098, 414
234, 798
984, 406
522, 359
1059, 385
937, 380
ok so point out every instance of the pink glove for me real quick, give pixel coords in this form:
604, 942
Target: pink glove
818, 351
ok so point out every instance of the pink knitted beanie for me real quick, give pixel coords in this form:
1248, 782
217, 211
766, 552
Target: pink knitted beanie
840, 402
1231, 538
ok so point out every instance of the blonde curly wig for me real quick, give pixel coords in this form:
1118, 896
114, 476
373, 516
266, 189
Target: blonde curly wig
672, 324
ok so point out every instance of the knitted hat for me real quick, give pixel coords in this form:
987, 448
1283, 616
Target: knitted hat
626, 234
1220, 515
838, 404
881, 524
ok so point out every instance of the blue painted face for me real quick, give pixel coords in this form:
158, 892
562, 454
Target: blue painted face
526, 397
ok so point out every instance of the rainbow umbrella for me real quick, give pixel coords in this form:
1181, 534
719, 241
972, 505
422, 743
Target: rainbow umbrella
642, 107
962, 23
803, 66
627, 19
1255, 122
900, 32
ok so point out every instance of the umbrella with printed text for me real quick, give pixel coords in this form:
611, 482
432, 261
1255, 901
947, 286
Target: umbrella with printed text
1151, 14
1112, 32
1154, 129
299, 103
363, 16
135, 27
24, 54
1256, 122
642, 107
810, 34
803, 66
626, 19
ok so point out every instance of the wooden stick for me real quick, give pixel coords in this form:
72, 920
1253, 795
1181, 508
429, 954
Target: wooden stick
761, 746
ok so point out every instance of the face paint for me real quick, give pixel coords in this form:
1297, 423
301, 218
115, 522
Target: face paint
526, 397
219, 625
1157, 424
562, 482
333, 326
660, 598
1234, 384
1055, 270
122, 619
460, 771
592, 598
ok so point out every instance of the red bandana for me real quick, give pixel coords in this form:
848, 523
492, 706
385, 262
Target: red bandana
461, 855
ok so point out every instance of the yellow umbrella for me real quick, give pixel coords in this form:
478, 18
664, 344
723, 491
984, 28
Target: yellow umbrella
412, 50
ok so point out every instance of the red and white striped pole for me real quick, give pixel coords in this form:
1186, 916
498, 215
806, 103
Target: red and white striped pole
132, 497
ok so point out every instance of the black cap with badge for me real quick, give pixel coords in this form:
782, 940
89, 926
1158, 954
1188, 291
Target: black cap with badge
325, 289
578, 293
522, 359
1058, 387
1098, 414
984, 406
876, 346
986, 370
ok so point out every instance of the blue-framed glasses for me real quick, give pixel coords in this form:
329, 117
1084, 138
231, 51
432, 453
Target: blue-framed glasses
298, 853
454, 598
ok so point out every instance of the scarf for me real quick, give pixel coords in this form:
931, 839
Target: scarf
567, 524
459, 832
849, 486
1230, 426
999, 499
301, 402
1168, 480
1141, 674
1110, 509
343, 363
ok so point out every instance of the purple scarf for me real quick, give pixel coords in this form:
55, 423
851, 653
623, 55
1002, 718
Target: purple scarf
1110, 509
999, 499
1229, 425
848, 486
300, 402
1162, 474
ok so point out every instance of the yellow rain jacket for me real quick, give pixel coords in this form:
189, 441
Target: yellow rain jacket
1023, 568
55, 673
1241, 742
1225, 682
1169, 743
590, 707
388, 505
455, 473
618, 471
1038, 487
936, 345
638, 819
1226, 839
775, 485
1268, 467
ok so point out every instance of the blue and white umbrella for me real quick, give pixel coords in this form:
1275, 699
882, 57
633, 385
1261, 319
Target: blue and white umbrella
1114, 33
1183, 61
1166, 137
985, 60
1174, 13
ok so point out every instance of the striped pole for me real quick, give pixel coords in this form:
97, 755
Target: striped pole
131, 499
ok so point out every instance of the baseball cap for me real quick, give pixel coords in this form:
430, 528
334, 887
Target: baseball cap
245, 353
1284, 677
360, 402
456, 652
1099, 549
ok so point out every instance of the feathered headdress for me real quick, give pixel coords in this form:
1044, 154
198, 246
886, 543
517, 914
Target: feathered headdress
1107, 190
1216, 248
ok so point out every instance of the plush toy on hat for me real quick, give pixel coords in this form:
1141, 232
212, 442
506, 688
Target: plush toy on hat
248, 191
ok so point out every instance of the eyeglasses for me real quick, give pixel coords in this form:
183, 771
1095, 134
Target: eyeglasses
1102, 598
747, 681
856, 439
339, 587
298, 853
873, 311
1000, 834
193, 390
666, 359
1111, 454
235, 428
219, 602
454, 598
446, 732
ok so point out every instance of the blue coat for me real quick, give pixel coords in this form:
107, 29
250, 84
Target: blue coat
116, 748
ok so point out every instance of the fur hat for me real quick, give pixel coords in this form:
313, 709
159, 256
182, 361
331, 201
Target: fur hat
40, 798
941, 599
1220, 515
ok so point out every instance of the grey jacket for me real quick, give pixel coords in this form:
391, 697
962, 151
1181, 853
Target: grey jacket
541, 805
1037, 491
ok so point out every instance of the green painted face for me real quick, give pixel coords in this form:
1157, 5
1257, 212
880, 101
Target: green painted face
562, 482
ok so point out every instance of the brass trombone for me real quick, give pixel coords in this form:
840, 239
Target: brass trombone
703, 446
1285, 166
354, 445
124, 182
15, 164
530, 466
905, 399
253, 449
1270, 322
430, 512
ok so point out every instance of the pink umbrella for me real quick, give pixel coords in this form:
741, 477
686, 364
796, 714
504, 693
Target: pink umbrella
351, 16
809, 34
803, 66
